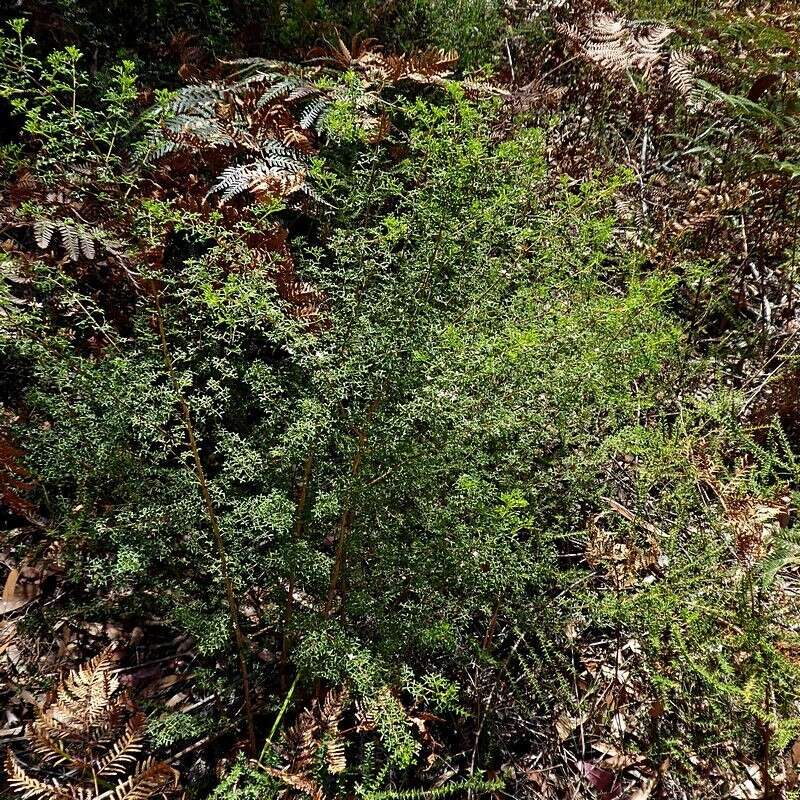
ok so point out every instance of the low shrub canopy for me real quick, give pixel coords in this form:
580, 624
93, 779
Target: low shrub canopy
457, 400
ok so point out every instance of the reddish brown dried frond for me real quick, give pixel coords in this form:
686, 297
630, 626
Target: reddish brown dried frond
89, 742
315, 733
14, 481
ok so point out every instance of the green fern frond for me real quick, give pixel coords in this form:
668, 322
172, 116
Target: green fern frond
279, 176
196, 97
313, 112
477, 785
43, 230
282, 89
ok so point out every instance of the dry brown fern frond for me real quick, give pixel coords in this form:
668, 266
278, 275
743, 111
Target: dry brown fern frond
315, 734
251, 136
333, 707
126, 750
302, 741
536, 94
252, 133
87, 743
44, 740
361, 55
14, 480
30, 787
617, 44
62, 220
709, 204
335, 755
76, 240
151, 778
430, 66
192, 56
88, 700
302, 783
302, 300
753, 522
681, 72
366, 57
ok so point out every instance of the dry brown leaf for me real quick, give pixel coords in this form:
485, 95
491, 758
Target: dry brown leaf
8, 630
644, 791
10, 584
7, 606
566, 724
750, 788
614, 758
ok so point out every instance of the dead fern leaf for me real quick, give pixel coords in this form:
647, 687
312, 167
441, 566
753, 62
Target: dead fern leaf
28, 786
69, 238
333, 707
84, 697
301, 782
709, 204
152, 778
92, 732
14, 482
126, 750
335, 755
617, 44
314, 734
45, 744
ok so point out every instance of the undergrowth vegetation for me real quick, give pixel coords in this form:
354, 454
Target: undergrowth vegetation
400, 400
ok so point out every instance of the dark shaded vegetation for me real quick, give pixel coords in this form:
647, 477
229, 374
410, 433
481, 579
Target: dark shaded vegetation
400, 399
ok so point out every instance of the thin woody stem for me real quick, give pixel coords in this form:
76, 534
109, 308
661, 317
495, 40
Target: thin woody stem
297, 530
233, 606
